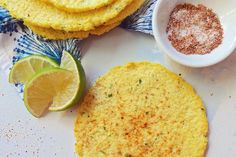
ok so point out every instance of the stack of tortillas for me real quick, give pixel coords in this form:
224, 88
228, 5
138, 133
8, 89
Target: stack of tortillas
65, 19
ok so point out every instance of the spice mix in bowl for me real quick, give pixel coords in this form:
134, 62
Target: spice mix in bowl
194, 29
195, 33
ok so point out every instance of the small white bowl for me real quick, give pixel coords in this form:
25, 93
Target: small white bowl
225, 9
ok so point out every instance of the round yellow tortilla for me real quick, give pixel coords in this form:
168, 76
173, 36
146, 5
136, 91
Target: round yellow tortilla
141, 109
3, 3
50, 33
79, 5
41, 14
136, 4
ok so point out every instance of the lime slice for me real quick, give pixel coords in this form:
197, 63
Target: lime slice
46, 88
77, 86
24, 69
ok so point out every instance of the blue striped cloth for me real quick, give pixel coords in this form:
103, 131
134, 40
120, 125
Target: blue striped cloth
29, 43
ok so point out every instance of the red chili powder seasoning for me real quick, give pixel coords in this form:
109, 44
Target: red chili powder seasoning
194, 29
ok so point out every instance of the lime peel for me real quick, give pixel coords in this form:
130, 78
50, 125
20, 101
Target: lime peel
68, 62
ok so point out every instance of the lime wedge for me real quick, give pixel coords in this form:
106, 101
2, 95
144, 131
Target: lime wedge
77, 86
24, 69
48, 87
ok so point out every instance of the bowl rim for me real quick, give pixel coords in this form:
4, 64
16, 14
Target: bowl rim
171, 55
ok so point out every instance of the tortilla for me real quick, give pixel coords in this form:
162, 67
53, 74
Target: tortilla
141, 109
56, 34
41, 14
126, 12
50, 33
79, 5
3, 3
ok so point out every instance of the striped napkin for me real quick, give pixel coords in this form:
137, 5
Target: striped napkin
23, 42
